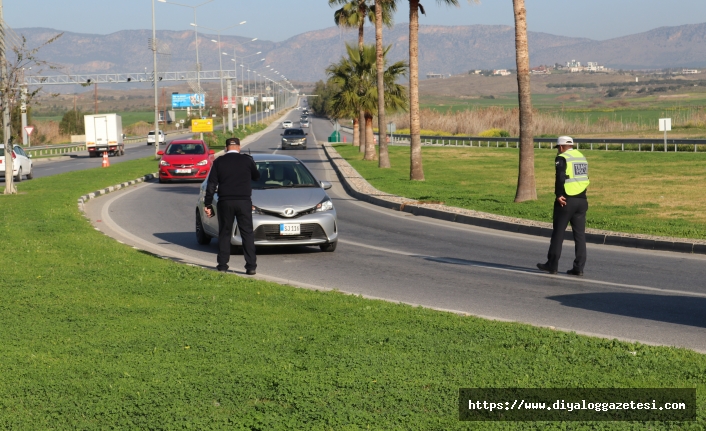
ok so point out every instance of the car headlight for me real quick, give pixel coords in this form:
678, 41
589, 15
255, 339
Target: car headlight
256, 210
284, 140
164, 163
202, 163
325, 205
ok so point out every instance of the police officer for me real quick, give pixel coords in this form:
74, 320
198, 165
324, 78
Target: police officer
230, 176
570, 206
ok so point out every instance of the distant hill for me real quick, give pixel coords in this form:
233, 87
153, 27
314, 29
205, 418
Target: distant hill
443, 49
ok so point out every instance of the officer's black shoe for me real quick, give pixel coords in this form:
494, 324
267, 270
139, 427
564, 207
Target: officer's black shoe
545, 267
223, 269
576, 272
250, 272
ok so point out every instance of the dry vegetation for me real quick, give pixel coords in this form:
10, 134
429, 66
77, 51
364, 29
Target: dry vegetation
475, 121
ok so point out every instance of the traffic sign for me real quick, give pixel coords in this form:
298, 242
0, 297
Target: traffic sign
29, 130
181, 121
202, 126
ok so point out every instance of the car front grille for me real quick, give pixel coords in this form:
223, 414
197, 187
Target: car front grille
309, 231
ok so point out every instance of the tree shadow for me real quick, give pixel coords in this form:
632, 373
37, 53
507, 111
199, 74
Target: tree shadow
680, 310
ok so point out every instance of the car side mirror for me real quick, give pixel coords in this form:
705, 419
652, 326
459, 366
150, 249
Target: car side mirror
326, 185
160, 153
281, 134
306, 134
211, 152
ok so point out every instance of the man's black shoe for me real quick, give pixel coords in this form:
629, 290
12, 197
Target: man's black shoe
250, 272
545, 267
222, 269
575, 272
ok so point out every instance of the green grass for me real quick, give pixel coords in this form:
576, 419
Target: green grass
649, 193
216, 140
97, 335
128, 117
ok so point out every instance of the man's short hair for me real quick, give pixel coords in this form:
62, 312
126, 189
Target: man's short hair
232, 141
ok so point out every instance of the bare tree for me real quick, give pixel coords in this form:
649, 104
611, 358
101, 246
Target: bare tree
526, 188
11, 87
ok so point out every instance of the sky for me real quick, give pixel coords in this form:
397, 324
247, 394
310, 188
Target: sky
278, 20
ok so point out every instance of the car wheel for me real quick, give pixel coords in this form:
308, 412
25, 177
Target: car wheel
236, 249
18, 178
201, 236
304, 147
330, 247
161, 181
30, 175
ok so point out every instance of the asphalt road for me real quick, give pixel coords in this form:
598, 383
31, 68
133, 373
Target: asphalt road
629, 294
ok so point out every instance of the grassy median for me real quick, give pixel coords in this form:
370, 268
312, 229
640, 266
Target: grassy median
648, 193
98, 335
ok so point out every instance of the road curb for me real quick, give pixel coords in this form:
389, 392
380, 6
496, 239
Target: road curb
360, 189
87, 197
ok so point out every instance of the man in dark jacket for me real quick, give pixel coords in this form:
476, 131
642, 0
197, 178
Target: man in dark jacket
230, 176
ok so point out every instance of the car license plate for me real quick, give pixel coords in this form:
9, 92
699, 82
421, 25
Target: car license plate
290, 229
183, 171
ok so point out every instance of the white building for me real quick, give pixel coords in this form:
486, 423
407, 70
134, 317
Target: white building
689, 71
432, 75
501, 72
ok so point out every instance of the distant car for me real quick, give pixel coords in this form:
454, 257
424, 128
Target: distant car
294, 138
150, 137
185, 160
304, 123
287, 124
290, 207
21, 163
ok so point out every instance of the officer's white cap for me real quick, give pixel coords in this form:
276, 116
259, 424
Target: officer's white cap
565, 140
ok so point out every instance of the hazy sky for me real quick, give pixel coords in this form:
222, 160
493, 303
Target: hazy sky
278, 20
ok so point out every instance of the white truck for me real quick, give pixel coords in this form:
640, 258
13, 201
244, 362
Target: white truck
104, 133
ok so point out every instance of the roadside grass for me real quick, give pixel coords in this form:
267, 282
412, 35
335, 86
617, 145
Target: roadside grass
97, 335
647, 193
217, 140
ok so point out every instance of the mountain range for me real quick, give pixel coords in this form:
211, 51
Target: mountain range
443, 49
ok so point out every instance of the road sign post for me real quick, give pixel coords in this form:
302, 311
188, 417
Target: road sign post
28, 130
665, 125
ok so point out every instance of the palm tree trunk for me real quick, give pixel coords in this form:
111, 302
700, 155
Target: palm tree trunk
361, 41
416, 170
370, 153
356, 132
526, 188
384, 161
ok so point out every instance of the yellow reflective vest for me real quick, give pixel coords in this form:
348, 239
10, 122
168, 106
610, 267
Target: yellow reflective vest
576, 172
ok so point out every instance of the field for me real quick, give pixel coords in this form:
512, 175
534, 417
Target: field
649, 193
587, 99
99, 335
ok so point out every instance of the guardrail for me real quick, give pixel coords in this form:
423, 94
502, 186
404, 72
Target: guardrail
605, 144
56, 150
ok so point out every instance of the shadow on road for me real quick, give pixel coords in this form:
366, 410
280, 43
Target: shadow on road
182, 188
188, 240
456, 261
681, 310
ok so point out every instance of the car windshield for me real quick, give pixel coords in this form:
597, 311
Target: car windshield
275, 175
173, 149
2, 152
293, 132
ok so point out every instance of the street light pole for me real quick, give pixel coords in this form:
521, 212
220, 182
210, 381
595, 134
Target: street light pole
155, 81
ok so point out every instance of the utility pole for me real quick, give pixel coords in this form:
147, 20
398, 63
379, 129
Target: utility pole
154, 81
23, 114
95, 98
229, 94
9, 186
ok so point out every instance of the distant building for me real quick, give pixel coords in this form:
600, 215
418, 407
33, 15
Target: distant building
689, 71
501, 72
541, 70
432, 75
573, 64
592, 66
477, 72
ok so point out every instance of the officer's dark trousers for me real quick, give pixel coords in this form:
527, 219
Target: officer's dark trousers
227, 212
575, 212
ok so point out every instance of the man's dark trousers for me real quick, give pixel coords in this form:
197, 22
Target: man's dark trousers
227, 212
575, 212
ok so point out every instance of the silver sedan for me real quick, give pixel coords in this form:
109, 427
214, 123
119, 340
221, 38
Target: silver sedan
290, 207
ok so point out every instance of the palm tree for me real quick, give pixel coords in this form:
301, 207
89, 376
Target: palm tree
526, 188
353, 14
382, 8
416, 171
359, 71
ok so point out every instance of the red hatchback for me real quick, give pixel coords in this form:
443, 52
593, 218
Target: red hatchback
185, 160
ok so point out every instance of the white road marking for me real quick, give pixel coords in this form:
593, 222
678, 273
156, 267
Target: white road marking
523, 272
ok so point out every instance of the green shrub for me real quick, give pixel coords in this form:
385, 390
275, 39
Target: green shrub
495, 133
